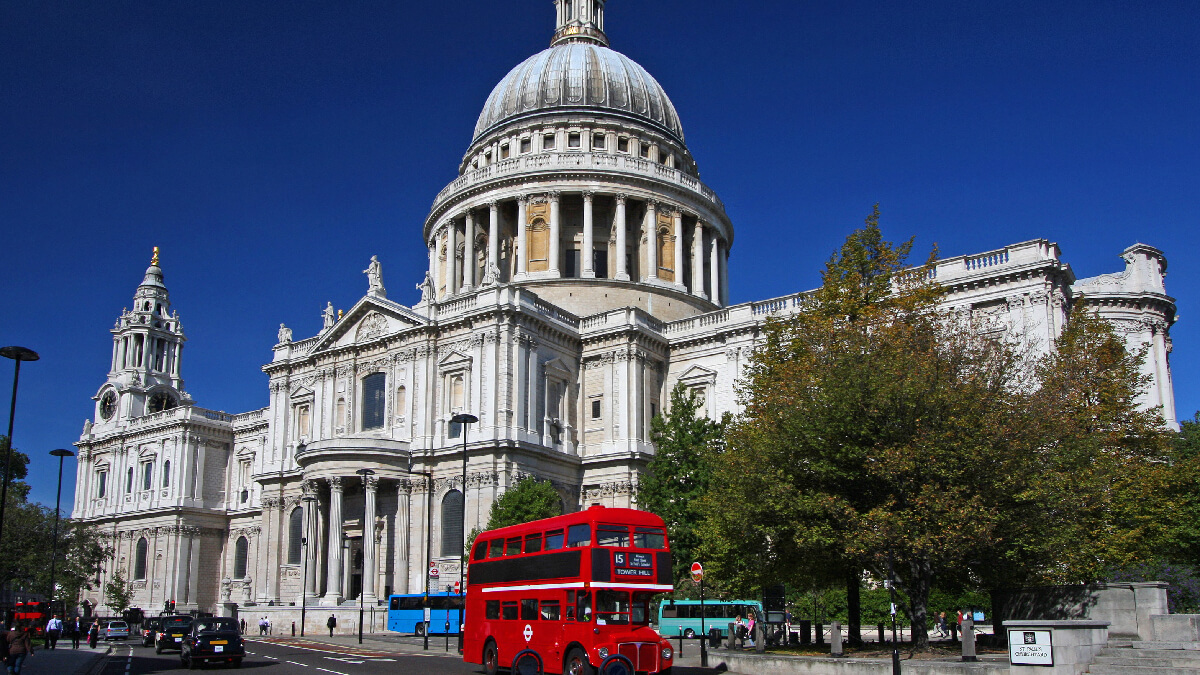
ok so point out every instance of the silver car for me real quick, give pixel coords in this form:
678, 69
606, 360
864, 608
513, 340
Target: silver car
116, 630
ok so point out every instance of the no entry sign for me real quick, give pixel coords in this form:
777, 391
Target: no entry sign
697, 572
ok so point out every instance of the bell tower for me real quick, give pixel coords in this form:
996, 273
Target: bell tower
144, 377
579, 21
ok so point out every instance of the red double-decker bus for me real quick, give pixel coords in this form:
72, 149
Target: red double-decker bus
575, 589
32, 614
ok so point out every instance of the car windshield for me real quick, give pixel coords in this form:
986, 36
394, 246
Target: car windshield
178, 624
216, 626
118, 624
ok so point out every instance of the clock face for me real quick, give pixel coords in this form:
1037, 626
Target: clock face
108, 405
159, 402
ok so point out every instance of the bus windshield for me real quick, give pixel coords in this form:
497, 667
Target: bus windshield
622, 608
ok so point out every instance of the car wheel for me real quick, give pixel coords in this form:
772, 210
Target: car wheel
157, 649
689, 633
420, 629
577, 663
491, 658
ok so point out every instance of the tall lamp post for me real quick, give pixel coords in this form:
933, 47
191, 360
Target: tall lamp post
368, 540
463, 419
60, 454
308, 501
17, 354
891, 584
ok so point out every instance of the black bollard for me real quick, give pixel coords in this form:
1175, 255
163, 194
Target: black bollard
819, 632
881, 637
293, 629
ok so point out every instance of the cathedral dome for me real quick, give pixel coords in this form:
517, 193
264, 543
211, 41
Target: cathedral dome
580, 76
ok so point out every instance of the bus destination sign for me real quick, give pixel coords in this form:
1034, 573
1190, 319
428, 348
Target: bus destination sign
633, 564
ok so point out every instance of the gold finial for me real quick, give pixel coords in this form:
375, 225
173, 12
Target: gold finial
154, 260
339, 315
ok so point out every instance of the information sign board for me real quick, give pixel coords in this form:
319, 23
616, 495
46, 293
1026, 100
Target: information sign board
1030, 648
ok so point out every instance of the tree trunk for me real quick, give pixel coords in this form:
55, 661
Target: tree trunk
918, 596
854, 608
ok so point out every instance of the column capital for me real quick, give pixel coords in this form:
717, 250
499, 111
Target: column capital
553, 195
522, 199
371, 482
588, 195
335, 483
493, 205
621, 198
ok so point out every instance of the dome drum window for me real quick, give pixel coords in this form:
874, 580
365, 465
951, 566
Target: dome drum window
573, 140
526, 145
549, 142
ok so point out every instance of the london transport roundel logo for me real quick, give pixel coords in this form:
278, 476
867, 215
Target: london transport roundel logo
528, 632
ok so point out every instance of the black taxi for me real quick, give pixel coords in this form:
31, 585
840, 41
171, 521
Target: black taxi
171, 632
213, 639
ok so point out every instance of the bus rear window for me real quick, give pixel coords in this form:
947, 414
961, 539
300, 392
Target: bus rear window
649, 537
612, 536
579, 535
513, 547
554, 540
480, 551
533, 543
495, 548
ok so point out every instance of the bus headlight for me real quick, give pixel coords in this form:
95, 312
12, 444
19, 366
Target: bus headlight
602, 652
667, 653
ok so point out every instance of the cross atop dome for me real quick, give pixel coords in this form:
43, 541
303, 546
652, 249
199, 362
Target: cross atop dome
579, 21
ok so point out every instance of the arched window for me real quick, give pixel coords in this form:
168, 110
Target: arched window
241, 551
373, 403
147, 475
167, 473
295, 536
129, 480
139, 559
452, 525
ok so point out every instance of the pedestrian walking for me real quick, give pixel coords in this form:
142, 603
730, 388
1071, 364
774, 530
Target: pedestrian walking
242, 626
94, 633
54, 629
331, 624
262, 626
20, 646
74, 628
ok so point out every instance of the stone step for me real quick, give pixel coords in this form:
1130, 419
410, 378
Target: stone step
1124, 660
1192, 646
1187, 654
1108, 669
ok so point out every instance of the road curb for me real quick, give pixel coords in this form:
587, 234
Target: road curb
98, 665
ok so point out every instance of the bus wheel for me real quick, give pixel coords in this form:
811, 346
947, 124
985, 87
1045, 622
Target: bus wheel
577, 663
689, 633
420, 629
491, 658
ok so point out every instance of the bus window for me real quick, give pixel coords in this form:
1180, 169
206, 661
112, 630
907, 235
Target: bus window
514, 546
554, 540
550, 610
492, 609
612, 607
480, 551
649, 537
510, 611
571, 605
670, 611
579, 535
583, 606
613, 536
495, 548
640, 608
713, 612
529, 610
533, 543
394, 604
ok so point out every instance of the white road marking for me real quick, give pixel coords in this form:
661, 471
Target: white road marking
331, 671
297, 663
268, 656
338, 658
383, 659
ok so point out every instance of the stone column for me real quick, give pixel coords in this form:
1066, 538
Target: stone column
555, 234
433, 265
492, 275
698, 260
452, 272
469, 252
333, 566
403, 534
679, 250
651, 241
714, 268
723, 259
522, 238
586, 255
622, 273
312, 535
370, 572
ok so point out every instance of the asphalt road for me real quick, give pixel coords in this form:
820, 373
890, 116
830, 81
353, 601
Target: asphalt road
264, 658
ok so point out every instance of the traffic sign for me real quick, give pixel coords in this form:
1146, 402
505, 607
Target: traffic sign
697, 572
433, 572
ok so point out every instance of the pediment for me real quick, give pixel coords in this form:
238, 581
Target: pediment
370, 319
698, 375
454, 360
557, 367
301, 392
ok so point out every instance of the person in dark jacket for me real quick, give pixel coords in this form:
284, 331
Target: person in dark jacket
331, 624
20, 646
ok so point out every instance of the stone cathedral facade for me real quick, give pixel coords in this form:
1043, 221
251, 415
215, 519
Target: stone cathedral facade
577, 273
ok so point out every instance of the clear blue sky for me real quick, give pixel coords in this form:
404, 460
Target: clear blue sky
270, 148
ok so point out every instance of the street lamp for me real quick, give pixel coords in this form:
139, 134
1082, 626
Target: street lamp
367, 541
17, 354
60, 454
463, 419
308, 500
891, 584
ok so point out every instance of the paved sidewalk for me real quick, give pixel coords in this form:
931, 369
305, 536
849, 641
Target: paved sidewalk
64, 661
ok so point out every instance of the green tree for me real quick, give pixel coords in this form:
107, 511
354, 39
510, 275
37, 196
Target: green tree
530, 499
679, 474
117, 592
876, 424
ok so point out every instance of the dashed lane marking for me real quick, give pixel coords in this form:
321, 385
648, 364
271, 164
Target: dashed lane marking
298, 663
331, 671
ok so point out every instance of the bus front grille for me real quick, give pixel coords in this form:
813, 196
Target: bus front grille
644, 655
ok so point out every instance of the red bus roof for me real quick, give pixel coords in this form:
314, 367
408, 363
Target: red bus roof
592, 515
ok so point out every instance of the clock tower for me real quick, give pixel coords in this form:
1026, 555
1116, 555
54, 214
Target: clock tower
147, 347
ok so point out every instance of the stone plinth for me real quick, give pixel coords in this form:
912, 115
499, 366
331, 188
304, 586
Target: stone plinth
1075, 644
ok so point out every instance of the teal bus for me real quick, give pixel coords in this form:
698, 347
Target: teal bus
682, 617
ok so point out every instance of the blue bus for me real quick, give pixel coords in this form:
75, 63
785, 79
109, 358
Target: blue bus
406, 613
682, 617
